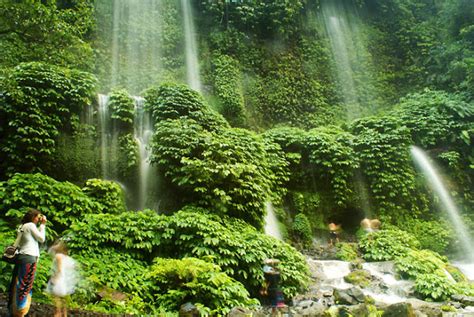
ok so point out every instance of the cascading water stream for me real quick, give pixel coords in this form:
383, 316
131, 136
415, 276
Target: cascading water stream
133, 28
143, 132
436, 184
104, 123
352, 61
271, 222
191, 51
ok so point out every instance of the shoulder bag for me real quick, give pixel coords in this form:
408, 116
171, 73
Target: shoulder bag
10, 254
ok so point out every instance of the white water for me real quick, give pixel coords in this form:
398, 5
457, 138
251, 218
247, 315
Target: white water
104, 116
352, 60
467, 269
143, 132
192, 65
436, 184
271, 222
134, 33
332, 272
397, 290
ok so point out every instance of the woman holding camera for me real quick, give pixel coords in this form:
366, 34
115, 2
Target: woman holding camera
29, 236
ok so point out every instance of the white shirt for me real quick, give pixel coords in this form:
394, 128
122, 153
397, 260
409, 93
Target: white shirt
30, 237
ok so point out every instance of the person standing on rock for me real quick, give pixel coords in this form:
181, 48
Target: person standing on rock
29, 235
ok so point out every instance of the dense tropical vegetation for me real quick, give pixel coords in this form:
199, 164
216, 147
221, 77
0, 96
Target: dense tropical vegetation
270, 125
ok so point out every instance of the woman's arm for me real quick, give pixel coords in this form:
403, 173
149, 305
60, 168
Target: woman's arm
38, 234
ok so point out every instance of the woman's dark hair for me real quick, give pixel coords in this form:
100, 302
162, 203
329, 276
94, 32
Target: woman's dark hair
30, 215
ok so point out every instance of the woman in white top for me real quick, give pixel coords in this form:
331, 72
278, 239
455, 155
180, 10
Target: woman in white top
29, 236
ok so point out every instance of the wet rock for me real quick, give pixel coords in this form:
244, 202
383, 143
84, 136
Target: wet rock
399, 310
351, 296
428, 308
465, 300
309, 308
240, 312
188, 310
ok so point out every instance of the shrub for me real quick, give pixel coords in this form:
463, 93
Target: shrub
122, 108
302, 229
232, 244
347, 251
62, 202
107, 193
37, 103
386, 245
228, 87
230, 172
175, 282
432, 235
176, 101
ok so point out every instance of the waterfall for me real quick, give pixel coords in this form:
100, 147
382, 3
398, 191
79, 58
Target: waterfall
436, 184
192, 65
143, 132
104, 122
351, 58
134, 33
331, 273
271, 222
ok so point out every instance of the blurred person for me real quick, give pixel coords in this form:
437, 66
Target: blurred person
64, 277
334, 230
271, 288
29, 235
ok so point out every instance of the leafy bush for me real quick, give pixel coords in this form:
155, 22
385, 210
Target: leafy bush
381, 145
230, 171
432, 235
232, 244
302, 229
175, 101
62, 202
175, 282
107, 193
427, 268
122, 108
386, 245
38, 101
434, 285
416, 262
228, 88
347, 251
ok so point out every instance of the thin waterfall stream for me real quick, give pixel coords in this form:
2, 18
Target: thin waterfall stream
436, 184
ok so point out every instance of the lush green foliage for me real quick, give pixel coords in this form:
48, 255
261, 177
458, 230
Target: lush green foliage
38, 100
382, 148
386, 245
62, 202
432, 235
233, 245
109, 194
302, 229
347, 251
46, 31
122, 108
194, 280
173, 101
227, 86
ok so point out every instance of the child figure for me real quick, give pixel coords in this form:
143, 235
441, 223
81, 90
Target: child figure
64, 278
